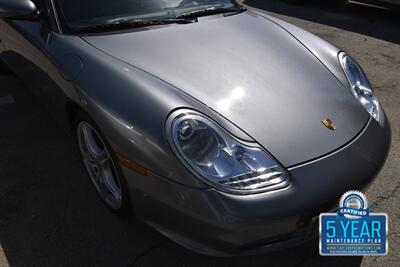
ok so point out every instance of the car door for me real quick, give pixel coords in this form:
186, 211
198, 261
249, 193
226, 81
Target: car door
25, 44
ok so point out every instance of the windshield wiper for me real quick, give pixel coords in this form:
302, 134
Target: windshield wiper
129, 23
211, 11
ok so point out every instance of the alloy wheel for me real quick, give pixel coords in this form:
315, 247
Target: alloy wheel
99, 165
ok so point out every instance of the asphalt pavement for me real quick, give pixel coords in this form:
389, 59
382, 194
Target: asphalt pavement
51, 216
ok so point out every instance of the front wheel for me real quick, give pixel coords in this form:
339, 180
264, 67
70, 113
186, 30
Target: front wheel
101, 165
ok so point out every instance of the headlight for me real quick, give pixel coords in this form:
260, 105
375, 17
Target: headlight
360, 86
219, 159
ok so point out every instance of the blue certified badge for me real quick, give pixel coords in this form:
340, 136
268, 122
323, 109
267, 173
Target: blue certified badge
353, 230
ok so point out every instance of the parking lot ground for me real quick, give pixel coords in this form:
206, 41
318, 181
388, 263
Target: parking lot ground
51, 216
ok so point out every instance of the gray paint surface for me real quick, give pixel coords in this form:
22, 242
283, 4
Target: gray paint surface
253, 73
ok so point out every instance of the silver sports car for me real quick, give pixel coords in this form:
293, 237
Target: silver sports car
227, 130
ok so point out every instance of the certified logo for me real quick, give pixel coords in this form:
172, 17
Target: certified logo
353, 230
353, 205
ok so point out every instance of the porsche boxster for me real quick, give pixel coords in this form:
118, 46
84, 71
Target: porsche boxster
227, 130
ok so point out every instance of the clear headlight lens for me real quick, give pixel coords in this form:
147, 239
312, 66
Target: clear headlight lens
360, 86
221, 160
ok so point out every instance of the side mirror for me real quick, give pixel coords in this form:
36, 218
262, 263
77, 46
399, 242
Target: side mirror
18, 9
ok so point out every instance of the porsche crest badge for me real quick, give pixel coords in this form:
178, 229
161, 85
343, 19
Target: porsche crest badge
328, 123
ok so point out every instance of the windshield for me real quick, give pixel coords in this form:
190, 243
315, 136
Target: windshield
87, 12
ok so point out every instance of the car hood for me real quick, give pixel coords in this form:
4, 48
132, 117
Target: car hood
255, 74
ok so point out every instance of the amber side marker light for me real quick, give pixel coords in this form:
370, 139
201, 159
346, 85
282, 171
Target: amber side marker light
130, 164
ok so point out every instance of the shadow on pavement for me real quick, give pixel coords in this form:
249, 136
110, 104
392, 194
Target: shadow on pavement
4, 69
370, 21
51, 216
49, 213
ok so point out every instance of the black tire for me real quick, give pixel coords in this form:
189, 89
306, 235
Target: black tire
125, 209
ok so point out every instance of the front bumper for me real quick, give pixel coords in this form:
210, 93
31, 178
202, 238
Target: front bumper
216, 223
